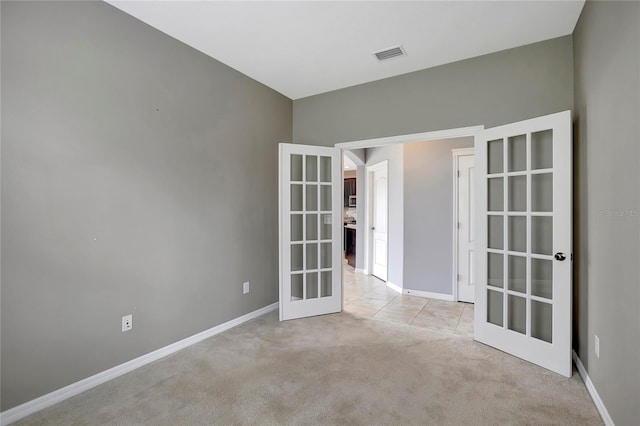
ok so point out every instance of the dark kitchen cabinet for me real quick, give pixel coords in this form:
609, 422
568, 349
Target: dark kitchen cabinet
349, 189
350, 246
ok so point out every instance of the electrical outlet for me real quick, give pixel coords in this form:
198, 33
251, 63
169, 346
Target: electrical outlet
597, 345
127, 322
245, 287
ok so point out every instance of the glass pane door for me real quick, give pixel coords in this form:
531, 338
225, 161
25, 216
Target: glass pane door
310, 237
520, 233
523, 290
311, 263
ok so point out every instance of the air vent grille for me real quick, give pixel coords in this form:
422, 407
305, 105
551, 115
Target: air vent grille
392, 52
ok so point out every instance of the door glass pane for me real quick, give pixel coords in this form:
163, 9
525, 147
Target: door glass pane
325, 198
296, 287
296, 257
312, 256
312, 198
312, 168
296, 227
495, 155
517, 314
542, 192
518, 153
542, 321
518, 233
325, 169
312, 285
494, 307
496, 194
542, 278
542, 150
495, 270
296, 198
517, 193
325, 226
496, 232
325, 283
325, 255
312, 227
296, 167
518, 273
542, 234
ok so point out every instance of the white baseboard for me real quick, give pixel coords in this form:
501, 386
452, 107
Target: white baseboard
361, 270
606, 418
394, 287
30, 407
428, 294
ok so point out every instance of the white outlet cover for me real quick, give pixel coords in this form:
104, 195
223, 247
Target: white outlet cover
127, 322
245, 287
597, 346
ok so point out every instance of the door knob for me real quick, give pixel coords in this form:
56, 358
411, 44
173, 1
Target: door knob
373, 228
560, 256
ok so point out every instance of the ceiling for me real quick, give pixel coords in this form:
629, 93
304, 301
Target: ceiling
348, 163
303, 48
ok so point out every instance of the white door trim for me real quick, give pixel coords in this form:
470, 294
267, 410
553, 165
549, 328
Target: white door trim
457, 153
368, 241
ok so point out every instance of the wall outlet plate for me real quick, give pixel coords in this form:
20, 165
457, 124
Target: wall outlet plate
127, 322
596, 342
245, 287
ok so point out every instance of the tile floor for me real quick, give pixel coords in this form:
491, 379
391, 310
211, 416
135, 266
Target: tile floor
368, 297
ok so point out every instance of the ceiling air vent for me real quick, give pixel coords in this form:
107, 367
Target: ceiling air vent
389, 53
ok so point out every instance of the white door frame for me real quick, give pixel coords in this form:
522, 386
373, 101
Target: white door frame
368, 241
457, 153
457, 132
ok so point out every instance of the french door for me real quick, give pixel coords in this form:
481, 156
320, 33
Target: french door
523, 250
310, 218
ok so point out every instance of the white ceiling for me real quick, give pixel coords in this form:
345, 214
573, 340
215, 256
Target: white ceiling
348, 163
302, 48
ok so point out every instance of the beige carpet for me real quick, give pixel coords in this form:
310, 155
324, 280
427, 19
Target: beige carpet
334, 369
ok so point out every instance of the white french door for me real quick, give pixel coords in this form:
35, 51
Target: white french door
523, 243
310, 218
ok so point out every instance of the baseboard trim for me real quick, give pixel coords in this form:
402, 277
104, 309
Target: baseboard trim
16, 413
606, 418
394, 287
361, 270
428, 294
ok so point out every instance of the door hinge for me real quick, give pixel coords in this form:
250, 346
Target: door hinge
458, 173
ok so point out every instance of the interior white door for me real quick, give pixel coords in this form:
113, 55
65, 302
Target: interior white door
523, 248
466, 229
379, 220
310, 218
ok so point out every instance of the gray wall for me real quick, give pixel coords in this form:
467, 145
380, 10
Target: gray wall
138, 176
493, 89
395, 235
428, 214
607, 202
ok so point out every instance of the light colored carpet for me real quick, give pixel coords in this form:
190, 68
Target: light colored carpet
331, 370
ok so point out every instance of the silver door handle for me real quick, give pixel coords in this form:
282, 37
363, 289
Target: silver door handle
373, 228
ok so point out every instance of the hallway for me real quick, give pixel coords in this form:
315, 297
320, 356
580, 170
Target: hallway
366, 296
